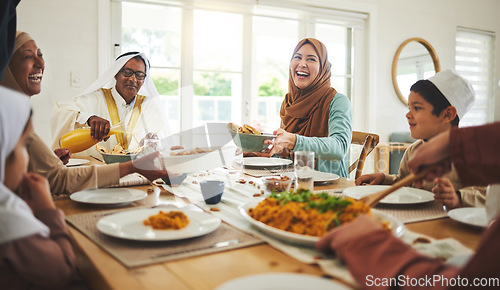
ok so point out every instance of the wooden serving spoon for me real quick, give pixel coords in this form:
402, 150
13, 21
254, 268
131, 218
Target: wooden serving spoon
374, 198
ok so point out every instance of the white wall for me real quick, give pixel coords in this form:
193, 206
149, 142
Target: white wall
435, 21
66, 31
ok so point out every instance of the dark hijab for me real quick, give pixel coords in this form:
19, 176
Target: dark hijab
7, 31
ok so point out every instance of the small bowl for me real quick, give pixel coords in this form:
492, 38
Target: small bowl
277, 183
251, 143
117, 158
175, 180
212, 191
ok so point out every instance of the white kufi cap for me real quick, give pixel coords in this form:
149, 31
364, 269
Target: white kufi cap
456, 90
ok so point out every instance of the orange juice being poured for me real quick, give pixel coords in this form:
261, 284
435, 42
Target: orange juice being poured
80, 139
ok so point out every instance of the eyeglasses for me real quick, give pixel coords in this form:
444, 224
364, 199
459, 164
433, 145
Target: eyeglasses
139, 75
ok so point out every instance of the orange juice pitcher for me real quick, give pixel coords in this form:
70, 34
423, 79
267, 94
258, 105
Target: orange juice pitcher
80, 139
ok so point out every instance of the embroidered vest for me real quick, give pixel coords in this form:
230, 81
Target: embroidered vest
125, 138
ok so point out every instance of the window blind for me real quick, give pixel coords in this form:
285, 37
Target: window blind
474, 61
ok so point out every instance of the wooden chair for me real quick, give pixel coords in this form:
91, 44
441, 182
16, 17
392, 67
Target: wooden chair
369, 142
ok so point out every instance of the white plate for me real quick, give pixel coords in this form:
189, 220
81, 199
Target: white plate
76, 162
395, 224
108, 195
318, 176
217, 157
281, 281
265, 162
404, 195
129, 225
475, 216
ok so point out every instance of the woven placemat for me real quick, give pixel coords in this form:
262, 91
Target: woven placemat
414, 213
139, 253
266, 172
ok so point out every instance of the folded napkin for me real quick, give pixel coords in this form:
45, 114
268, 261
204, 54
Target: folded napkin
132, 179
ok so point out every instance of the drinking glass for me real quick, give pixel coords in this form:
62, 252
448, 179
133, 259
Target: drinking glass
492, 201
151, 145
304, 168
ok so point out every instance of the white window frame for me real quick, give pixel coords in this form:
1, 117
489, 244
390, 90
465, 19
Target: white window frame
365, 85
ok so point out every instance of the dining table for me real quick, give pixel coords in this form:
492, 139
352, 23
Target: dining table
102, 270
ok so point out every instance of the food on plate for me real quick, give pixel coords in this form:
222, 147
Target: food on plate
249, 129
246, 129
101, 149
117, 150
233, 127
172, 220
307, 213
177, 147
197, 150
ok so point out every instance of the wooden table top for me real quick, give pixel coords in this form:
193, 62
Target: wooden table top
102, 271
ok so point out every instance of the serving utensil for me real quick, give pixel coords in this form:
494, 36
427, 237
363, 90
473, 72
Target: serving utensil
375, 198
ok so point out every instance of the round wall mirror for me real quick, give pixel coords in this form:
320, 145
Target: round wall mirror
414, 60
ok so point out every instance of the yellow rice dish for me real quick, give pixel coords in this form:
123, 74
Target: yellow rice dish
307, 213
173, 220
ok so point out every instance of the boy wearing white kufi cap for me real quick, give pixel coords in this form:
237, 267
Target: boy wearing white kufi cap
436, 105
455, 89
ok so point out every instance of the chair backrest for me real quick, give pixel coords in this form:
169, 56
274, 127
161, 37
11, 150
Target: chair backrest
369, 142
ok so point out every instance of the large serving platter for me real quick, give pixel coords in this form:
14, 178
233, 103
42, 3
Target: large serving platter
395, 225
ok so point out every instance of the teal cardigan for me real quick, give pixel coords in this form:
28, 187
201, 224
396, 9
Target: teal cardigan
332, 152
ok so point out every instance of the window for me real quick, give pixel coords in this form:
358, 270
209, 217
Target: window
273, 42
156, 31
229, 61
474, 61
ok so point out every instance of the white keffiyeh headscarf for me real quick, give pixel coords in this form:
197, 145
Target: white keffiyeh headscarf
16, 218
107, 79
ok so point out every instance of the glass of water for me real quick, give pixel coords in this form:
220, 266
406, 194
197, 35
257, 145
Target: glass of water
304, 168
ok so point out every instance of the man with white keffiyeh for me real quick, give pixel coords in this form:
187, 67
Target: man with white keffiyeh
125, 94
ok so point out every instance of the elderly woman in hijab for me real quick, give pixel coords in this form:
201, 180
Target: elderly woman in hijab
125, 94
24, 74
35, 245
314, 116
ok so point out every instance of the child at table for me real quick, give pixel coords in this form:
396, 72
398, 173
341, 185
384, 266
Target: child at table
374, 254
436, 105
35, 246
